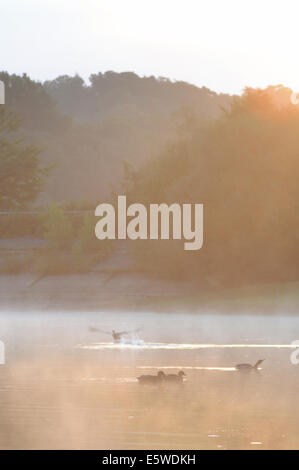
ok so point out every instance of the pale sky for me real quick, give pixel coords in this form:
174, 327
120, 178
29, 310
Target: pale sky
222, 44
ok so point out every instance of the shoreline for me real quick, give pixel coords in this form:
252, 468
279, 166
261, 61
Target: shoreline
135, 292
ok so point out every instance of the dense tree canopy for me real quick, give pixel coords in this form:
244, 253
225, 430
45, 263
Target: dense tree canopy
244, 168
20, 172
87, 130
33, 104
238, 156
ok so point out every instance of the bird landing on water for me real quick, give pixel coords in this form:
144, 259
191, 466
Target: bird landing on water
116, 335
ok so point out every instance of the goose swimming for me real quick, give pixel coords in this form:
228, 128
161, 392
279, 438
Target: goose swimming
247, 367
152, 379
175, 378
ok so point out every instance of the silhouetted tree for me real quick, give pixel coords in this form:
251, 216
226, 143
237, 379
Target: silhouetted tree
20, 173
244, 168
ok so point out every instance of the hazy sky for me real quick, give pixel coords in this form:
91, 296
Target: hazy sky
222, 44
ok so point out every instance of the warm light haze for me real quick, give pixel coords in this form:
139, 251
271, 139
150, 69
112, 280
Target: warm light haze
222, 45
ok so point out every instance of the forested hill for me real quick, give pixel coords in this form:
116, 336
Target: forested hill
87, 130
107, 94
127, 94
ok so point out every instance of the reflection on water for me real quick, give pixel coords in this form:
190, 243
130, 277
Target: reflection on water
139, 344
63, 388
225, 369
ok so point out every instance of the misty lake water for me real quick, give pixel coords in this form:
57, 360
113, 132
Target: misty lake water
66, 387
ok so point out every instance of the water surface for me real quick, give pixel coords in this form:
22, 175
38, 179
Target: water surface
65, 387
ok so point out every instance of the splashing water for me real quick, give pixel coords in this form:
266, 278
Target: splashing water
140, 344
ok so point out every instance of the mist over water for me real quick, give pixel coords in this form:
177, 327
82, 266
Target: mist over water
65, 387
